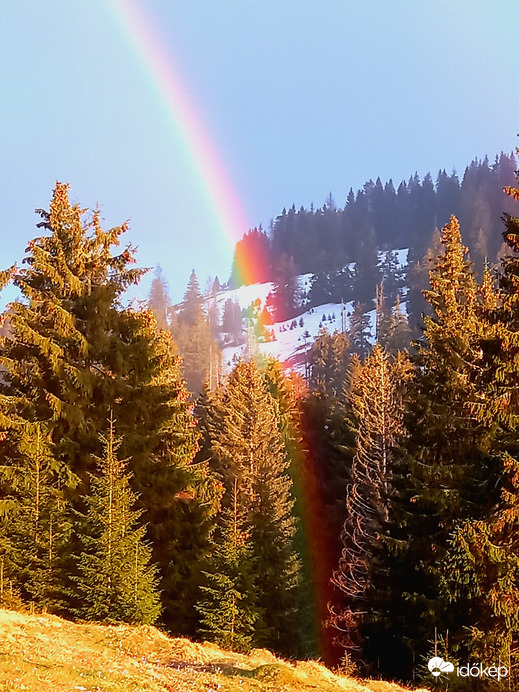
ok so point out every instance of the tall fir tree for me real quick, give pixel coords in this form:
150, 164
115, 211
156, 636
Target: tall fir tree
359, 331
232, 322
447, 473
159, 300
288, 392
328, 442
329, 361
201, 357
286, 289
247, 446
378, 415
482, 576
38, 527
191, 306
71, 355
484, 554
382, 316
116, 581
175, 490
228, 605
502, 349
399, 332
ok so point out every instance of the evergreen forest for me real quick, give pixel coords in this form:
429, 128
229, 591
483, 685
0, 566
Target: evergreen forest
365, 511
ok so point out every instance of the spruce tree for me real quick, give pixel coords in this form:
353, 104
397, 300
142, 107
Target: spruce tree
367, 273
64, 355
174, 488
286, 289
484, 555
248, 448
447, 473
328, 441
418, 278
378, 413
501, 351
359, 331
232, 322
192, 333
392, 275
320, 361
37, 527
399, 333
72, 354
482, 574
382, 316
228, 606
288, 393
116, 581
159, 300
191, 306
329, 361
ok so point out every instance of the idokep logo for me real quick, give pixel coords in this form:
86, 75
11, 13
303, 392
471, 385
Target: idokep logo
476, 670
437, 666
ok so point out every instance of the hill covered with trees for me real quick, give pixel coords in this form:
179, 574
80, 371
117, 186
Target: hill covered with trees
365, 511
382, 217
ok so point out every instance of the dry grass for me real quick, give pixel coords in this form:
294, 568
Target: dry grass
43, 653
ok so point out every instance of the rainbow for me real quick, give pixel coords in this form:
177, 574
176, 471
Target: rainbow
203, 159
216, 187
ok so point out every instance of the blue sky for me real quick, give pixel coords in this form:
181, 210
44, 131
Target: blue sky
301, 98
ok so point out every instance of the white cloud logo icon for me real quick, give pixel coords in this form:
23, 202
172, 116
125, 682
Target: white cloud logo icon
437, 666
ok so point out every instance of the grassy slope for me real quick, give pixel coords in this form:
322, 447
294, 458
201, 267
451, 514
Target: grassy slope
42, 653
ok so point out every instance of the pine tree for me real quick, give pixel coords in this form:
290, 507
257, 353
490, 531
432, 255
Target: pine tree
286, 289
192, 333
232, 321
418, 277
482, 574
175, 490
484, 554
320, 358
399, 333
376, 399
367, 272
502, 350
116, 581
159, 300
191, 307
392, 275
248, 447
328, 442
359, 331
329, 361
229, 603
288, 393
37, 529
382, 315
66, 350
73, 354
447, 473
251, 261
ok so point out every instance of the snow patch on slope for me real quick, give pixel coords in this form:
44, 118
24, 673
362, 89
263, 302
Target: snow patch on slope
290, 343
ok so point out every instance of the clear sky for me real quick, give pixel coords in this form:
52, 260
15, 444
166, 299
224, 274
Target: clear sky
296, 98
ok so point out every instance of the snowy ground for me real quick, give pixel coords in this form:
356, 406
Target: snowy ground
289, 345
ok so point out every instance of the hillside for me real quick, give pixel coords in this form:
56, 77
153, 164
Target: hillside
382, 216
43, 653
289, 340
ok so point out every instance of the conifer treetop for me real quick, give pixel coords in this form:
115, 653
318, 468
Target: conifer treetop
77, 255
